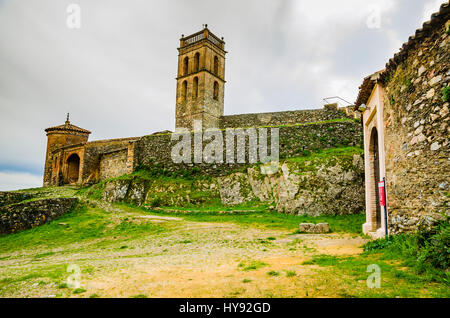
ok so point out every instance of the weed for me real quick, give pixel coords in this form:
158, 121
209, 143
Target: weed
79, 290
251, 266
291, 273
446, 93
139, 296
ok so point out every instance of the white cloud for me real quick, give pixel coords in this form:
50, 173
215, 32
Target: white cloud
116, 75
430, 7
18, 180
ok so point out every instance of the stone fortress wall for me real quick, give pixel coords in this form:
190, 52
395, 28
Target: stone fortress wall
331, 128
417, 127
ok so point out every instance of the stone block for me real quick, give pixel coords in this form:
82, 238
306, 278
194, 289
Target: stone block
314, 228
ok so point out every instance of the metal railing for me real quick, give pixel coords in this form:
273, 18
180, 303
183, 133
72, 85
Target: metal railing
194, 38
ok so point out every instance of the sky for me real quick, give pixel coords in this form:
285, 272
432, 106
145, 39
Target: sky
116, 73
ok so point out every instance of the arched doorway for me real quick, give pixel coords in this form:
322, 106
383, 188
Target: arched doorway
73, 168
374, 156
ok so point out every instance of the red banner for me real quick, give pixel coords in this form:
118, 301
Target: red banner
381, 195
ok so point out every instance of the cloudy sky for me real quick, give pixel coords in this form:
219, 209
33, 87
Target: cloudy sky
116, 74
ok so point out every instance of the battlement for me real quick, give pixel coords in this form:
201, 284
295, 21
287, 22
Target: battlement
292, 117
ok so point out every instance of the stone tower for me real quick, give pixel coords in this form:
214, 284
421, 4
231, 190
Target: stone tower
57, 137
200, 80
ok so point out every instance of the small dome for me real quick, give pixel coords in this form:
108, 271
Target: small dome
67, 127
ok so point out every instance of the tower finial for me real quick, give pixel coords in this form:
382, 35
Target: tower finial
67, 119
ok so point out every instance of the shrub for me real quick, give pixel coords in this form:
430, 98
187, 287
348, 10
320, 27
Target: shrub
446, 93
435, 247
156, 202
306, 153
427, 250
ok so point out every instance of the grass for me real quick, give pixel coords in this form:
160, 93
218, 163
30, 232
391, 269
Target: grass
56, 272
252, 265
291, 273
325, 154
411, 265
328, 157
427, 252
139, 296
396, 279
216, 206
79, 291
80, 225
275, 220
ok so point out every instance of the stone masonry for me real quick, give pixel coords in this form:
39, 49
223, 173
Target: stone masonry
413, 128
28, 214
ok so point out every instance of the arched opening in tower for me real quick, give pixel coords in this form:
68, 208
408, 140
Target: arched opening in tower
216, 65
186, 66
374, 157
196, 62
195, 89
184, 91
73, 168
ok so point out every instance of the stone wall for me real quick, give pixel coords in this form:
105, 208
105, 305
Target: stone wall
325, 183
416, 119
7, 198
113, 164
283, 118
29, 214
153, 152
93, 153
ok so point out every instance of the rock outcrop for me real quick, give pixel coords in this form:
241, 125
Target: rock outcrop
315, 185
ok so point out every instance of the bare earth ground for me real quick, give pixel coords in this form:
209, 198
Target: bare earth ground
191, 259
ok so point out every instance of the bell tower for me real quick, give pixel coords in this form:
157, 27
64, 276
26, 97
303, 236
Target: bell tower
200, 80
